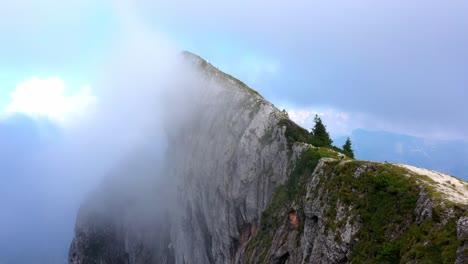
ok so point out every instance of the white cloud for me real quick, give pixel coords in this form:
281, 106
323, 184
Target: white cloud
342, 123
338, 123
47, 98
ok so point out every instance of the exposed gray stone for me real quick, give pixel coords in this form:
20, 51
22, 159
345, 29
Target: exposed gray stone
462, 235
221, 176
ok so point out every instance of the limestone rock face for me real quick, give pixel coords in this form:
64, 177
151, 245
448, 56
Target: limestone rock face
462, 234
226, 171
340, 219
224, 166
237, 185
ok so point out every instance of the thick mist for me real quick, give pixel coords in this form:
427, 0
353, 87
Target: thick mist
116, 149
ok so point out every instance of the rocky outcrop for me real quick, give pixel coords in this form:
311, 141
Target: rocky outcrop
355, 212
239, 185
223, 172
227, 170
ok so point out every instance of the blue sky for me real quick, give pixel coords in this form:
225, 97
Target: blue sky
387, 65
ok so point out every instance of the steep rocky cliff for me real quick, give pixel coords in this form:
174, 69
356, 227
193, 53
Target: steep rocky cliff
240, 185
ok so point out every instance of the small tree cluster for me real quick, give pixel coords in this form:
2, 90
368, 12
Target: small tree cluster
321, 138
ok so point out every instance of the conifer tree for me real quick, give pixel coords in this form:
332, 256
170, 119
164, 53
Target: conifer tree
348, 151
320, 136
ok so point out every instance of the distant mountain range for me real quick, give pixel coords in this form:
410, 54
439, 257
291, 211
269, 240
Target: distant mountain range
449, 156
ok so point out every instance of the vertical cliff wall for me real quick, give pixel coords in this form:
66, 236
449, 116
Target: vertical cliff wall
223, 165
226, 164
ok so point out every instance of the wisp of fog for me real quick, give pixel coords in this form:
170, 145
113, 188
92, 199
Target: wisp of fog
142, 93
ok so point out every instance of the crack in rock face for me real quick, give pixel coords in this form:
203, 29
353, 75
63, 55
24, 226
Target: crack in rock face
293, 219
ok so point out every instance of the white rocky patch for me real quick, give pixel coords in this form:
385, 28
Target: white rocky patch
455, 189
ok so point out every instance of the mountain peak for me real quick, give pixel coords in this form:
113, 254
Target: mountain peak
214, 72
241, 185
